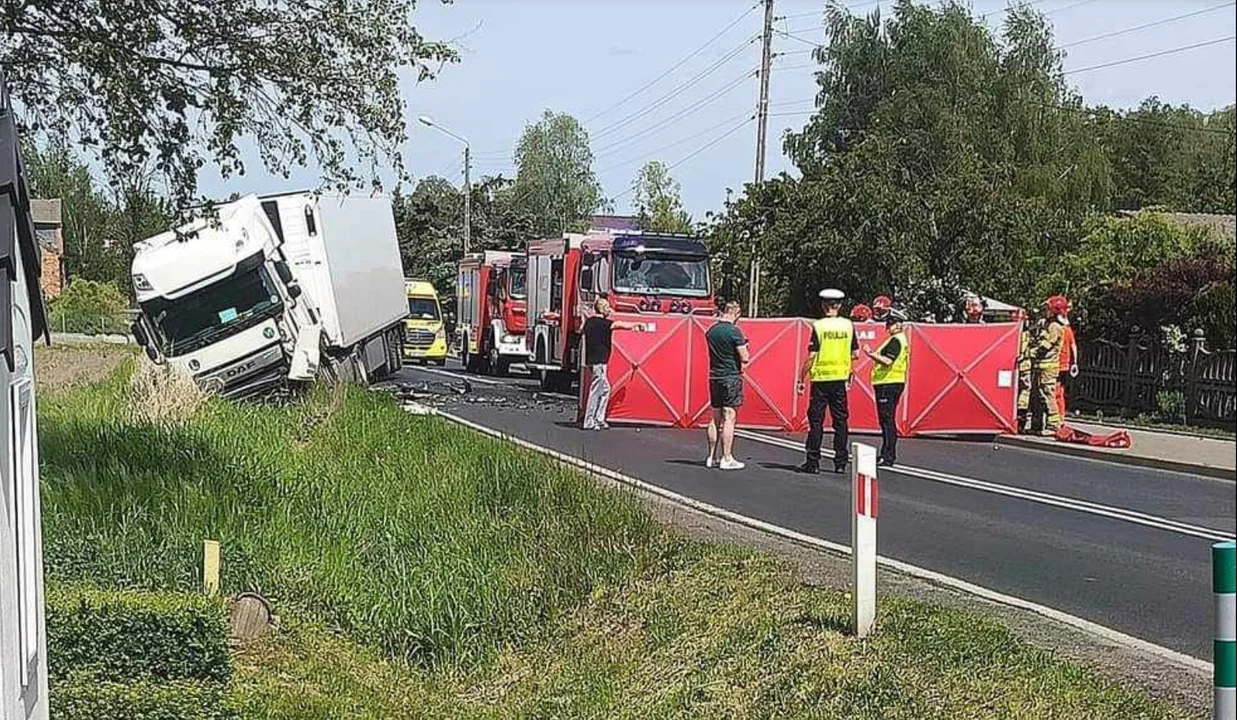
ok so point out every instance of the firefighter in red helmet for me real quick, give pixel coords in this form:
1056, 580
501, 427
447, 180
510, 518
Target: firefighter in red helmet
860, 313
1069, 359
974, 309
880, 307
1046, 359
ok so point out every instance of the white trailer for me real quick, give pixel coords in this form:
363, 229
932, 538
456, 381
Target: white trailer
23, 643
275, 288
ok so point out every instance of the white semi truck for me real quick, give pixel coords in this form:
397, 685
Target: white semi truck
274, 289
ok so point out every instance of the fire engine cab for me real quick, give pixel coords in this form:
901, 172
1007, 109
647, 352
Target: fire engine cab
639, 273
492, 306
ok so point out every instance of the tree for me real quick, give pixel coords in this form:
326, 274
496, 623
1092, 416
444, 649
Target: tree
178, 83
99, 225
942, 158
656, 197
555, 178
430, 225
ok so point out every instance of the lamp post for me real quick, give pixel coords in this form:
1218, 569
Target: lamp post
429, 122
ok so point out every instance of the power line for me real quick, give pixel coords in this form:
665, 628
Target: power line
672, 94
676, 66
819, 13
1071, 6
685, 111
805, 41
1162, 53
1144, 26
694, 153
674, 144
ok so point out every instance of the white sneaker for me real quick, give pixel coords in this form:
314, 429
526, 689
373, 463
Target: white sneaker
709, 462
730, 464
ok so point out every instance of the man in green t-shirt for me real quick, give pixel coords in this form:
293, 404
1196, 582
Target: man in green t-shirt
727, 357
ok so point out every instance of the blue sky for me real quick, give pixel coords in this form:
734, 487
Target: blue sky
518, 58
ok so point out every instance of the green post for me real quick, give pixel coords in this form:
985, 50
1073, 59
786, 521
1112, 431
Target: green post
1224, 584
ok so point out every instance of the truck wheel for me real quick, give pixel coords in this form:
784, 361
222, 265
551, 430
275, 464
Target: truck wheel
545, 377
498, 365
395, 363
466, 359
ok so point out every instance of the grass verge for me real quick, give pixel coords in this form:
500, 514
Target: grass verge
424, 571
418, 538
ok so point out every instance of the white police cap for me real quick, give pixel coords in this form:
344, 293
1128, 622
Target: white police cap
832, 294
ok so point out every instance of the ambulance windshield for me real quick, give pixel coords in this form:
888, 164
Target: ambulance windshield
661, 274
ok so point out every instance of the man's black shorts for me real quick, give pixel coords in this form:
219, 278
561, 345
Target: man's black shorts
725, 392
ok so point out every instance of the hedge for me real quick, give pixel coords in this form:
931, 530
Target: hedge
119, 635
83, 696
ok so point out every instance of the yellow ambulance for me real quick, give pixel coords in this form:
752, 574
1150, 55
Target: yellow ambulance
425, 337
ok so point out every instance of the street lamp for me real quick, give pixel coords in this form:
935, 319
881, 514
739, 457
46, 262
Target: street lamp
427, 121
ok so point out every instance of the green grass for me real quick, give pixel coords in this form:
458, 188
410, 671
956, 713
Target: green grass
412, 535
423, 571
711, 632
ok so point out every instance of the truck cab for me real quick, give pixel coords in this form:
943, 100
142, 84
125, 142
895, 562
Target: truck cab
492, 297
638, 273
425, 338
274, 289
216, 300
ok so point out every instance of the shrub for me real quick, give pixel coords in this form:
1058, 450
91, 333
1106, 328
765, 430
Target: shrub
119, 635
160, 394
1165, 294
83, 696
86, 306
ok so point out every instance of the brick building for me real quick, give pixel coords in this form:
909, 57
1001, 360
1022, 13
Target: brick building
47, 225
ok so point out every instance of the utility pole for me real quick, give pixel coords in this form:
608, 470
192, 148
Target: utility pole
762, 131
467, 199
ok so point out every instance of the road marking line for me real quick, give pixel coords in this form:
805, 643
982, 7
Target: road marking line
1115, 636
1061, 501
1084, 506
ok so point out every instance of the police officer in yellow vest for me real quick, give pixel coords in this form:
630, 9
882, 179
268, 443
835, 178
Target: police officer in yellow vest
890, 363
828, 366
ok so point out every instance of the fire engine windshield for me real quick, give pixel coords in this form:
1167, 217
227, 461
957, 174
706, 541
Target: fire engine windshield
517, 284
221, 309
646, 273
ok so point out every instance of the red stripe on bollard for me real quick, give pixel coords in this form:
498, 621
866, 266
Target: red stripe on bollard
875, 494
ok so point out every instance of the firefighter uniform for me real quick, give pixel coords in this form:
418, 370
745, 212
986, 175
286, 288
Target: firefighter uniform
1024, 376
1046, 362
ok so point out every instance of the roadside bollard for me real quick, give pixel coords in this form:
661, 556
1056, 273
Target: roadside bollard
1224, 584
865, 490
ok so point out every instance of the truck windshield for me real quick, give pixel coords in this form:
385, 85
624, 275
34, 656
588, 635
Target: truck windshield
661, 274
518, 283
223, 308
422, 308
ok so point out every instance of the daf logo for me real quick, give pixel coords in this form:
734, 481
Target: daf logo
239, 369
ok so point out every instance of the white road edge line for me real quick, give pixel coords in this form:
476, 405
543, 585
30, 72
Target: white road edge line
1061, 501
1177, 658
1083, 506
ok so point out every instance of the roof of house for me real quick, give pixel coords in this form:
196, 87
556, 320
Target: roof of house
45, 212
1225, 225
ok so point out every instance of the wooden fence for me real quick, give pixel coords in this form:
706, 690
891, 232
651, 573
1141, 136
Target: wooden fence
1143, 377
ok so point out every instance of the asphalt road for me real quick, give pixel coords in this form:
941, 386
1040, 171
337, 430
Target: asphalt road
1125, 547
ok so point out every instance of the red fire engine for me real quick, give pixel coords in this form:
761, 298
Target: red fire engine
491, 304
637, 272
